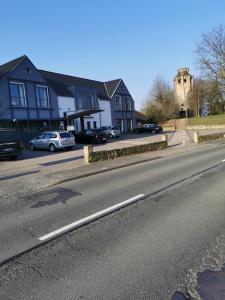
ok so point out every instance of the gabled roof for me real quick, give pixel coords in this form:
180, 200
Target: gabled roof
111, 86
140, 116
61, 81
10, 66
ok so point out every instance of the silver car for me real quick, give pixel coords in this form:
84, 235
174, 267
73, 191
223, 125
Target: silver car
53, 140
110, 131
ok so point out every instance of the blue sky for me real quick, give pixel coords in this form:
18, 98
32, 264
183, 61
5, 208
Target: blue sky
136, 40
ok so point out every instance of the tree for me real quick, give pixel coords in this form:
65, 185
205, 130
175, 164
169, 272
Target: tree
211, 55
197, 97
160, 104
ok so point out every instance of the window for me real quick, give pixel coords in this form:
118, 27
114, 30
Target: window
65, 135
94, 124
179, 81
128, 104
119, 124
17, 93
185, 80
118, 103
42, 96
88, 125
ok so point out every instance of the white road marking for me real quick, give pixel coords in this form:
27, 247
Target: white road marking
91, 218
223, 160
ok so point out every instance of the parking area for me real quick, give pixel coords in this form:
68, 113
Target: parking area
46, 162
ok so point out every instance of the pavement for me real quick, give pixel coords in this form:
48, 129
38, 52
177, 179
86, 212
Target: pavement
147, 250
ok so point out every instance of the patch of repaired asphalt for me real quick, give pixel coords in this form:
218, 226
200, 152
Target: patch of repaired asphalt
207, 280
211, 285
179, 296
52, 197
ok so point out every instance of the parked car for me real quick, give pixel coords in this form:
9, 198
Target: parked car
10, 146
53, 140
152, 128
110, 131
91, 136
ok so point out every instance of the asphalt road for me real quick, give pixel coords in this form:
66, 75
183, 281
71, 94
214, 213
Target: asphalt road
146, 250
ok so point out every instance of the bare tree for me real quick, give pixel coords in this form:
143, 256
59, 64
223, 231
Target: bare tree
211, 55
160, 104
197, 96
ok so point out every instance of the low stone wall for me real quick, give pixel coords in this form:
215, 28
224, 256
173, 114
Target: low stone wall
91, 157
169, 128
209, 137
198, 127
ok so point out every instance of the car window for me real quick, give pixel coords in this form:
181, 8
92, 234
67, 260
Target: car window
65, 135
47, 136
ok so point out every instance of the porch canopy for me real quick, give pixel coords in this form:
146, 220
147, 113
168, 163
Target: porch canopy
82, 113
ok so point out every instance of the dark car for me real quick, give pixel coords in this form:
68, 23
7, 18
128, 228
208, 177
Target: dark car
91, 136
10, 146
152, 128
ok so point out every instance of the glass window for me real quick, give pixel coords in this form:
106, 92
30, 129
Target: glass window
128, 104
94, 124
119, 124
17, 93
88, 125
118, 103
42, 96
65, 135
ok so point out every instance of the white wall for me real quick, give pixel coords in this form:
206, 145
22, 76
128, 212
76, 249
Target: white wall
66, 104
103, 118
105, 115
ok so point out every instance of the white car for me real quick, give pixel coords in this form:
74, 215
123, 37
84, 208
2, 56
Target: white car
110, 131
53, 140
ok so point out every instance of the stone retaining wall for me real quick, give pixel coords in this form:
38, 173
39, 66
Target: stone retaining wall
209, 137
198, 127
91, 157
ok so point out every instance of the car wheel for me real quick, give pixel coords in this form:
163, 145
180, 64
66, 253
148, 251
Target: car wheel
52, 147
110, 136
153, 131
32, 147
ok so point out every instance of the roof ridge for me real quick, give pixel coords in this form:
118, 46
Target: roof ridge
72, 76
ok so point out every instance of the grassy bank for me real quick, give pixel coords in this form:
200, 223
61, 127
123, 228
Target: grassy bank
209, 120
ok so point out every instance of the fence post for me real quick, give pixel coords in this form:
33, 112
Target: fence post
87, 153
165, 138
196, 137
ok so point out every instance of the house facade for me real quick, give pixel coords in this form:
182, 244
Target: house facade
41, 100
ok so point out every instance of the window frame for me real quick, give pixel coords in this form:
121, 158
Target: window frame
23, 97
38, 99
128, 100
120, 107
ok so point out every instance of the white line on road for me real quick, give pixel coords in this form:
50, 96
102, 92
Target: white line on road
223, 160
92, 217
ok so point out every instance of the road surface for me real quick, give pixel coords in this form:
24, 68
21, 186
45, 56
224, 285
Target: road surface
145, 250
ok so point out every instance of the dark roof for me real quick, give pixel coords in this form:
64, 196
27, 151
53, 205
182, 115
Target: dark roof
62, 82
9, 66
111, 86
140, 116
